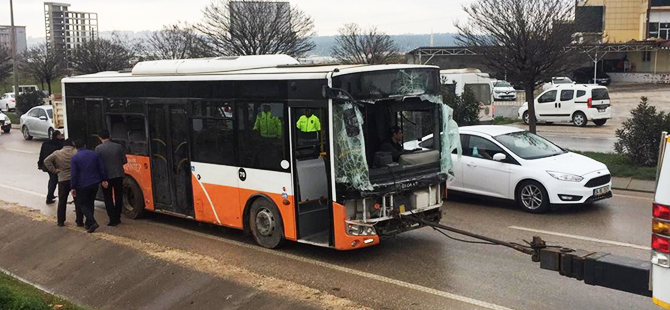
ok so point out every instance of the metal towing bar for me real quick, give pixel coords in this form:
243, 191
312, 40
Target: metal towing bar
594, 268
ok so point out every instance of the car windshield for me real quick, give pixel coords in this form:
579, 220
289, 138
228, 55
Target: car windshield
502, 84
529, 146
562, 81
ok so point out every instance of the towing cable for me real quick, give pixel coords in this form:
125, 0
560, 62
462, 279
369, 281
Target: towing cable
593, 268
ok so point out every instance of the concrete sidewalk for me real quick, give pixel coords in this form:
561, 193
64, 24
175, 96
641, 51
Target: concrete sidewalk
631, 184
96, 271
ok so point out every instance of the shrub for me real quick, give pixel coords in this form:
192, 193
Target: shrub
640, 136
27, 101
466, 107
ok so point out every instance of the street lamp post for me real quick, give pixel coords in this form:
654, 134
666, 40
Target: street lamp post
13, 38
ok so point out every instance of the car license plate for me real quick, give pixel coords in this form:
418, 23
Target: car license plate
601, 190
601, 110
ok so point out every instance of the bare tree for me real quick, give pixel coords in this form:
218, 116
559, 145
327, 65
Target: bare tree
356, 46
5, 63
43, 64
102, 55
257, 28
178, 41
528, 40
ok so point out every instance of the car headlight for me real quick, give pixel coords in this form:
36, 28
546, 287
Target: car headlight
565, 176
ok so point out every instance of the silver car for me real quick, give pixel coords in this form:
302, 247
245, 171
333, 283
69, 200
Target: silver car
38, 122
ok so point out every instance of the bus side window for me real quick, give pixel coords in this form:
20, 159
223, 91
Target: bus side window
213, 137
262, 141
129, 131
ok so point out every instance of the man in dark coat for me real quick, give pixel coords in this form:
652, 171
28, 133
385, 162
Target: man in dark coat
48, 147
114, 157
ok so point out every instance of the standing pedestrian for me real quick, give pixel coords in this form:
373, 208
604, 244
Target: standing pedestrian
87, 173
59, 162
113, 157
48, 147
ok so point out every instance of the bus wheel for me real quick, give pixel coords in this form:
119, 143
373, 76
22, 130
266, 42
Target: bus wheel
266, 224
133, 199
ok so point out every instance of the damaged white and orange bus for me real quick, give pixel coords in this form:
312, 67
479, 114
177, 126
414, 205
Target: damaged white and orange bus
217, 140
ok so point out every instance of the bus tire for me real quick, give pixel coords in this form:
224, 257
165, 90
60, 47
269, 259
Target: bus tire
266, 224
133, 199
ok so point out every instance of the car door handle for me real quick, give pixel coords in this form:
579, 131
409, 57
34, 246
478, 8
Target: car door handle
555, 105
471, 164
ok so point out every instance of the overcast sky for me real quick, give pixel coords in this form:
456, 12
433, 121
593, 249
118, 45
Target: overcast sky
390, 16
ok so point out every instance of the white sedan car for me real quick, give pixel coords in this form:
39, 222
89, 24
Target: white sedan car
510, 163
7, 102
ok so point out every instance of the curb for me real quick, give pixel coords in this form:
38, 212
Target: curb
631, 184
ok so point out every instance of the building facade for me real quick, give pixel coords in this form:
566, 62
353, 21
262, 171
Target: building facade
628, 24
6, 38
67, 29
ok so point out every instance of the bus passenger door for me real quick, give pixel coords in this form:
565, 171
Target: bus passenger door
170, 164
312, 171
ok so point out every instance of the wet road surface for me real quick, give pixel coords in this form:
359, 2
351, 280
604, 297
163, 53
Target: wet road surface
417, 270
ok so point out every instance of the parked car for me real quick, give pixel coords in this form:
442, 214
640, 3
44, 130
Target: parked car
510, 163
503, 90
585, 75
38, 122
7, 102
5, 123
576, 103
557, 80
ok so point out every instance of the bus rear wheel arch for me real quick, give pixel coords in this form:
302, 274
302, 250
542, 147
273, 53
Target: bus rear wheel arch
265, 223
133, 199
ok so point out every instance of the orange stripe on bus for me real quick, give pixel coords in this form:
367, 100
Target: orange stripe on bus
139, 168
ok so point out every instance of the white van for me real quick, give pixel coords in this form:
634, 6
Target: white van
27, 88
576, 103
478, 82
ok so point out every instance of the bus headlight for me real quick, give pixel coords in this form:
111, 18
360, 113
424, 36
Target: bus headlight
358, 229
660, 259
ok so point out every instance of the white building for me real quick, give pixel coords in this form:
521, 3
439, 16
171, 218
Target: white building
67, 29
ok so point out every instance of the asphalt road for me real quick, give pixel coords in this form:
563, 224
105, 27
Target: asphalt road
417, 270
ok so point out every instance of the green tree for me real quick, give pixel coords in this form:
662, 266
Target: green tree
465, 106
27, 101
639, 137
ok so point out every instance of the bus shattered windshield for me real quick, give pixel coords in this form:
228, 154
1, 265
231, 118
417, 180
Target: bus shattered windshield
377, 159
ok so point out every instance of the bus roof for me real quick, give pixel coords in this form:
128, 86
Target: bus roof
254, 67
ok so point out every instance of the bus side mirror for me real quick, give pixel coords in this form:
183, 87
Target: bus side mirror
336, 93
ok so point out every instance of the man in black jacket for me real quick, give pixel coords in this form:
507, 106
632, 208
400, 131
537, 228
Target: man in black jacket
48, 147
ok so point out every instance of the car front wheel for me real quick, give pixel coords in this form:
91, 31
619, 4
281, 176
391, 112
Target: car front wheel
532, 197
526, 117
26, 133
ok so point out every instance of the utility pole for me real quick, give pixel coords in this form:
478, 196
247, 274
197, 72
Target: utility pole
14, 60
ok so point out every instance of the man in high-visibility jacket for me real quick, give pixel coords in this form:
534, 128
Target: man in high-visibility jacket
308, 122
268, 125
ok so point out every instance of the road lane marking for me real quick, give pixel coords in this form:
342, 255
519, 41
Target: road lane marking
20, 151
635, 246
636, 197
364, 274
21, 190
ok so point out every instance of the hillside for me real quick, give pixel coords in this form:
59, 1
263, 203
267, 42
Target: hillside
405, 42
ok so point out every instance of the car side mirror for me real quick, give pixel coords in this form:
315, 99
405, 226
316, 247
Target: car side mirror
499, 157
43, 118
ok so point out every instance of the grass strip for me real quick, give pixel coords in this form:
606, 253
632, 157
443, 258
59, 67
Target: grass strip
16, 295
620, 166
